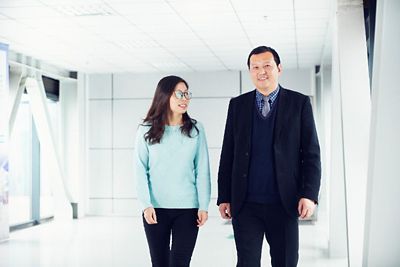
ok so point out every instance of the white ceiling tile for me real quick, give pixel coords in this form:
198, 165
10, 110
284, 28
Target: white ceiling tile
278, 32
71, 2
171, 65
313, 4
84, 9
162, 23
308, 52
310, 35
57, 23
142, 8
261, 27
200, 7
129, 1
120, 34
223, 20
20, 3
268, 16
78, 36
30, 12
134, 45
101, 21
2, 17
179, 42
315, 24
310, 39
14, 30
266, 5
312, 13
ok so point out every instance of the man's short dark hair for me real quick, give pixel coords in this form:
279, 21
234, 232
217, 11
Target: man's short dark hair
263, 49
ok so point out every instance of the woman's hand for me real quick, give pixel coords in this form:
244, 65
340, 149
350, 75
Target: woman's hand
149, 215
202, 217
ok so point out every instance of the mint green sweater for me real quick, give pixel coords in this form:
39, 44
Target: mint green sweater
174, 173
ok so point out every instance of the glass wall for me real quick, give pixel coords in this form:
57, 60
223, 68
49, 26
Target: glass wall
47, 171
20, 198
31, 176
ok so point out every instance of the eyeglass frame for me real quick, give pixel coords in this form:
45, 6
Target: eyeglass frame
180, 95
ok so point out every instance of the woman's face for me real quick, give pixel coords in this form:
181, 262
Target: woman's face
180, 98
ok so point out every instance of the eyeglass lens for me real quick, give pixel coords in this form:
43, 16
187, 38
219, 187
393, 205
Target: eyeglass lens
180, 94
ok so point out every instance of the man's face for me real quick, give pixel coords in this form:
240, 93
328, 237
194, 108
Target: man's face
264, 72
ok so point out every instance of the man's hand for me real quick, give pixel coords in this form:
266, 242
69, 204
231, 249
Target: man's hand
306, 208
150, 215
202, 217
225, 210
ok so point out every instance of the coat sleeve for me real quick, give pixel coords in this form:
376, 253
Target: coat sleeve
310, 154
226, 160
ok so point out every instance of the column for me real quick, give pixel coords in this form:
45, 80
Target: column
382, 220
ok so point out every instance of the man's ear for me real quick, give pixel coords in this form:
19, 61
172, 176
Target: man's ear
280, 68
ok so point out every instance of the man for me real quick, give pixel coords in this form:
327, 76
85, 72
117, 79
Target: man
270, 170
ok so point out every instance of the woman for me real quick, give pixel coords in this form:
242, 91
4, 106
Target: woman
173, 174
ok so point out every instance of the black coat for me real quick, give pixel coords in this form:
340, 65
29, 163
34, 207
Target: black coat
296, 151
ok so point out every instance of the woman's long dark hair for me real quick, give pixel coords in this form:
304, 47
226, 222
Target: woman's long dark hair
157, 116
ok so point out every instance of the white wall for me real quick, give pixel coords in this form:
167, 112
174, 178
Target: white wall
117, 104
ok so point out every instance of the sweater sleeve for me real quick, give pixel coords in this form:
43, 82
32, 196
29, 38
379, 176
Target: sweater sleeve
142, 168
202, 170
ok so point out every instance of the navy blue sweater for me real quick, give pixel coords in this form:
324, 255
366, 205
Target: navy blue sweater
262, 186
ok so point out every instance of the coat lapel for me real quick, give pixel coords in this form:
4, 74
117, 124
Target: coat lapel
282, 115
246, 120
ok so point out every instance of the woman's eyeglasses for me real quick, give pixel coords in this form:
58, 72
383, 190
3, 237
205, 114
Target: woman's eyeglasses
179, 94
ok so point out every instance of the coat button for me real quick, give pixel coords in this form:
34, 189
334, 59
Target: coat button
245, 175
246, 154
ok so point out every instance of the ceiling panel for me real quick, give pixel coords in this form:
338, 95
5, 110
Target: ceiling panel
312, 4
164, 35
201, 7
262, 5
56, 23
141, 8
20, 3
29, 12
3, 17
306, 14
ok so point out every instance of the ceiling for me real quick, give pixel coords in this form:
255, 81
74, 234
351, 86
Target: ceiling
164, 35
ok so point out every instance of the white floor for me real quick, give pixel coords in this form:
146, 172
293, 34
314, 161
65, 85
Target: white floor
120, 241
